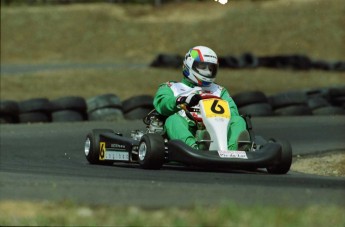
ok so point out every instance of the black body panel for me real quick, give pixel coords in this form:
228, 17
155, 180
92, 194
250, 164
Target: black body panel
119, 143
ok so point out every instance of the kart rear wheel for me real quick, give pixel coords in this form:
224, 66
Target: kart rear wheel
151, 151
286, 158
92, 148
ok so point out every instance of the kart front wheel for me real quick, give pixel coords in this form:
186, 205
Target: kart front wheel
151, 151
283, 166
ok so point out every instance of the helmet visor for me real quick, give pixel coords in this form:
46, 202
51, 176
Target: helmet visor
205, 69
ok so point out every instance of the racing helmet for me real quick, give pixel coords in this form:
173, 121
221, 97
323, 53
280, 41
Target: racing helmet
200, 66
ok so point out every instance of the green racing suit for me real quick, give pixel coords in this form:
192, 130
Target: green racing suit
180, 127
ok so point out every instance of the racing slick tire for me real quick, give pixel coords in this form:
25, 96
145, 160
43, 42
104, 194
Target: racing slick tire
283, 166
92, 148
151, 151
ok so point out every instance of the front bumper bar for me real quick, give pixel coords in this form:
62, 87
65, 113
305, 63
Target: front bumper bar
268, 155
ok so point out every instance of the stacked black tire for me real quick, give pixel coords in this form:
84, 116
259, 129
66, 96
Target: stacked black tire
9, 111
327, 101
167, 61
35, 110
137, 107
106, 107
254, 103
323, 101
249, 60
290, 104
109, 107
42, 110
67, 109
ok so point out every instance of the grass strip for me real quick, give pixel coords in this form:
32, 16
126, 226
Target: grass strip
70, 214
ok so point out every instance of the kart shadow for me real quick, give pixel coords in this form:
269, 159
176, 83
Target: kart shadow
180, 167
223, 170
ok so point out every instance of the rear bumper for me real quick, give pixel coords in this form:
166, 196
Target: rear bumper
268, 155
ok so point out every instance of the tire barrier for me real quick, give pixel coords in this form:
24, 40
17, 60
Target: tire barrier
70, 108
167, 61
137, 107
9, 111
321, 101
249, 60
109, 107
254, 103
35, 110
106, 107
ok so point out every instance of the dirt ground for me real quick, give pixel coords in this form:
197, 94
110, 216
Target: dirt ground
328, 164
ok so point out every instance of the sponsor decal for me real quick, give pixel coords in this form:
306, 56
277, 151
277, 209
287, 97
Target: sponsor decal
115, 152
233, 154
210, 56
118, 146
116, 155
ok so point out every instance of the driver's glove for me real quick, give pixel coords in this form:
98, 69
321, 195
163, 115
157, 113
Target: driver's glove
190, 100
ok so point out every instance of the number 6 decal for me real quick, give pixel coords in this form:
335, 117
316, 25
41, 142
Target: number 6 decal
217, 108
101, 150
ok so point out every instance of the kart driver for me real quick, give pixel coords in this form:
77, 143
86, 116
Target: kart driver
200, 67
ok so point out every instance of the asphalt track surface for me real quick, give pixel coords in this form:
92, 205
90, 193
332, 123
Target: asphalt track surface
46, 162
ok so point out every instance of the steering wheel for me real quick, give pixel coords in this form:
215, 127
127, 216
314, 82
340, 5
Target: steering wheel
190, 115
209, 96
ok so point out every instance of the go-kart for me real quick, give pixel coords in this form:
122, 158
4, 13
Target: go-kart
151, 148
